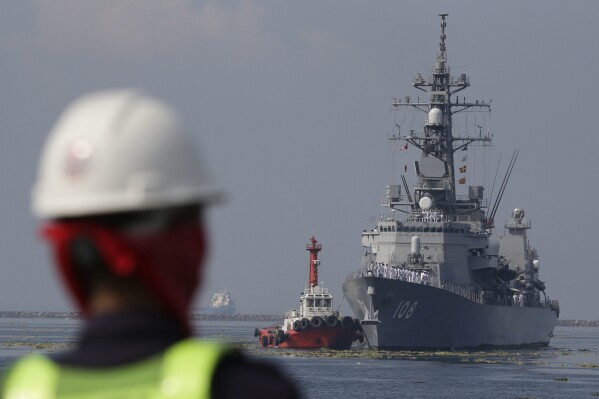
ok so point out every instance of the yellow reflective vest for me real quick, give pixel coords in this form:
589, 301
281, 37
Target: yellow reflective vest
183, 371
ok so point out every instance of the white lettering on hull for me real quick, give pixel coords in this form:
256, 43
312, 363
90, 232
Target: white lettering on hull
405, 310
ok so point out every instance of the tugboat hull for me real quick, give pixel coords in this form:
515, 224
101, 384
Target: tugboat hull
415, 316
313, 338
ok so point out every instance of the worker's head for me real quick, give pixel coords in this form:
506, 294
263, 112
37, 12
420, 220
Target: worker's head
122, 189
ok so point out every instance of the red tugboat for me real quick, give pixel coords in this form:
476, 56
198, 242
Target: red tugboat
316, 325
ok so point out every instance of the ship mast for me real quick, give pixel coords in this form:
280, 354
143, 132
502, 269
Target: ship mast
314, 249
436, 178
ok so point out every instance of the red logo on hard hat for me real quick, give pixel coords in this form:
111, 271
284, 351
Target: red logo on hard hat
78, 156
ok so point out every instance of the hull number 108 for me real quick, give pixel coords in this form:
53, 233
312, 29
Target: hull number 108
405, 310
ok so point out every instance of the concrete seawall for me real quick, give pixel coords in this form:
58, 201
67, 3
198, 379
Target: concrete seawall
193, 316
578, 323
230, 317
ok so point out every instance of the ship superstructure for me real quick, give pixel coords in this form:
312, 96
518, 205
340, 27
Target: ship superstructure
438, 277
222, 303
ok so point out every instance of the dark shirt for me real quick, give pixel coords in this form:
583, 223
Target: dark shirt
121, 338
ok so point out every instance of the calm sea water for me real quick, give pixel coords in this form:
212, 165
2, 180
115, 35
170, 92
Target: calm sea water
568, 368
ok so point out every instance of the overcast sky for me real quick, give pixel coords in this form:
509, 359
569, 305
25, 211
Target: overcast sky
289, 102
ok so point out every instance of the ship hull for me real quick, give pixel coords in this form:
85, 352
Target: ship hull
414, 316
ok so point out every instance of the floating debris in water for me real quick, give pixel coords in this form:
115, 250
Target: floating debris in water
37, 345
475, 357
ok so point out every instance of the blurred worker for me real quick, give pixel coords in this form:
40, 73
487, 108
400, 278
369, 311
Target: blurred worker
123, 193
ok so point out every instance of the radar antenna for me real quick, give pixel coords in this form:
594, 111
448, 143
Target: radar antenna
436, 169
443, 36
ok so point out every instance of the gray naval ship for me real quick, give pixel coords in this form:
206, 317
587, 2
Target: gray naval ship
438, 277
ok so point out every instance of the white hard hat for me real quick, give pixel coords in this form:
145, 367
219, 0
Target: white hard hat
115, 151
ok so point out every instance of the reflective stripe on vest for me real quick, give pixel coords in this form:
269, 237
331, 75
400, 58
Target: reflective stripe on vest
184, 371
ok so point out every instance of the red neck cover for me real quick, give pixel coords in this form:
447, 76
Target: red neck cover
167, 263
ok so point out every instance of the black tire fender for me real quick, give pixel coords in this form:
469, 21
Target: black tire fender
332, 321
281, 335
317, 322
347, 322
305, 323
297, 326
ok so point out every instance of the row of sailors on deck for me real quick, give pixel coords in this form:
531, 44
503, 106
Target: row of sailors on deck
379, 269
519, 299
432, 216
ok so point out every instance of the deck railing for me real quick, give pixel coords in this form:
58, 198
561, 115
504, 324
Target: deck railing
482, 297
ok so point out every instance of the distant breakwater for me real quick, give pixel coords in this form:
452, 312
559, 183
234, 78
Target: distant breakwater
578, 323
193, 316
227, 317
236, 317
